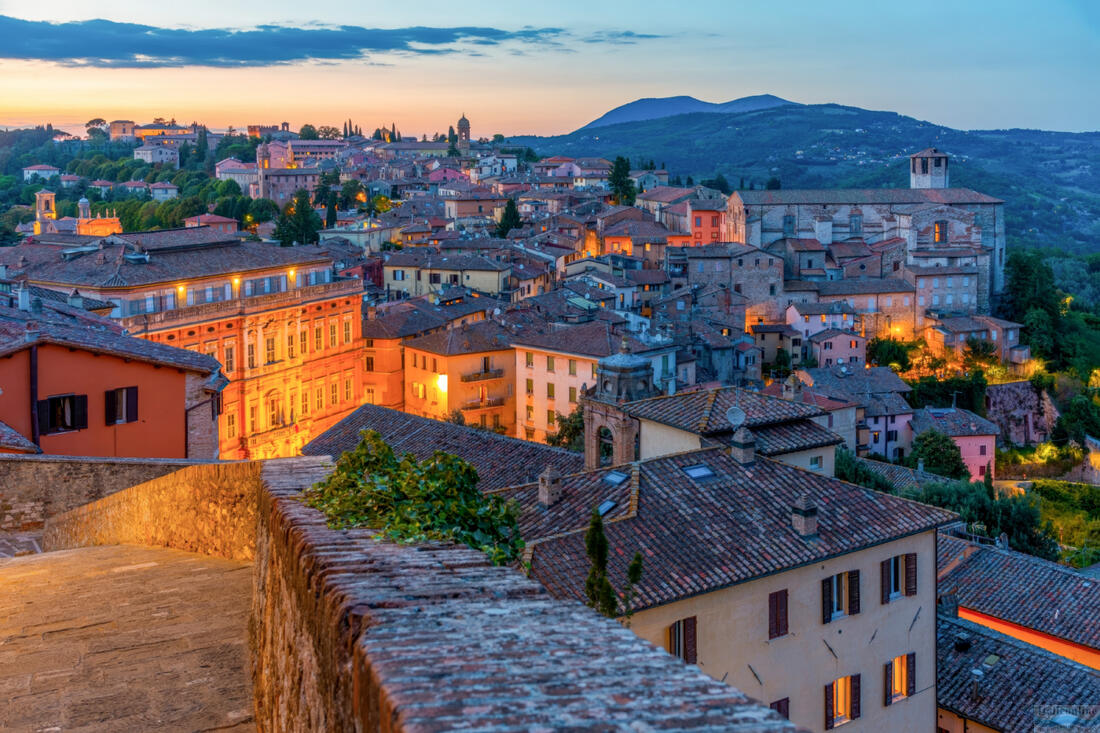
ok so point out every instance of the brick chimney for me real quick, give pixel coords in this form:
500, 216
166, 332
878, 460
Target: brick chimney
549, 487
23, 298
804, 516
743, 446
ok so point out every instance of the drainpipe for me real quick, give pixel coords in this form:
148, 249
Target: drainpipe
33, 369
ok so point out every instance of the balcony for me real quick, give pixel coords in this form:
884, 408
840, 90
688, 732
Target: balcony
483, 376
483, 404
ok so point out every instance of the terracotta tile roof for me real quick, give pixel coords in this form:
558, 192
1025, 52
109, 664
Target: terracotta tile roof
649, 230
427, 258
499, 460
1018, 681
805, 245
901, 476
780, 328
829, 333
700, 535
666, 194
790, 437
647, 277
472, 339
707, 251
869, 286
704, 412
817, 309
1021, 589
12, 440
952, 421
878, 389
594, 339
841, 196
805, 394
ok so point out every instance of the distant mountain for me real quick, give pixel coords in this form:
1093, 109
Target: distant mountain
1050, 181
653, 108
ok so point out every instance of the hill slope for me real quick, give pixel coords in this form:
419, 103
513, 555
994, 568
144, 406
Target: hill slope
1050, 181
652, 108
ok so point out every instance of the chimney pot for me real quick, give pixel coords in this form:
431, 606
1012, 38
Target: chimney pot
743, 446
549, 487
804, 516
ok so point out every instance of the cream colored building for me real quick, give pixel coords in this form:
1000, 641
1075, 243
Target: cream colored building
422, 271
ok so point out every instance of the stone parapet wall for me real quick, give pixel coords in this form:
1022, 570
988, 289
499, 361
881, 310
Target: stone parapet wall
35, 488
350, 634
209, 509
1024, 415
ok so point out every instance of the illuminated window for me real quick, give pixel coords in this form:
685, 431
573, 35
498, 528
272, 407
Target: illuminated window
319, 398
551, 418
530, 359
332, 335
347, 332
333, 393
231, 426
530, 413
230, 359
303, 342
842, 701
318, 339
530, 386
269, 350
900, 678
941, 231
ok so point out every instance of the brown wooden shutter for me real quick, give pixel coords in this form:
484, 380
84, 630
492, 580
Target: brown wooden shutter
689, 640
855, 697
884, 571
829, 706
783, 707
827, 600
853, 592
80, 411
783, 629
44, 426
131, 404
911, 674
110, 407
911, 574
773, 615
887, 683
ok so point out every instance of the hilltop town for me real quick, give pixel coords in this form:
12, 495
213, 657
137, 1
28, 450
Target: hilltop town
836, 425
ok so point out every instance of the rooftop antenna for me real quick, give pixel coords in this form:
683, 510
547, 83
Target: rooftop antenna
736, 416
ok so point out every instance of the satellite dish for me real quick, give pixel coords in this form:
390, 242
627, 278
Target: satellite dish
735, 416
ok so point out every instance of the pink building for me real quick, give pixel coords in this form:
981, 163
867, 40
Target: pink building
834, 346
975, 436
811, 318
218, 223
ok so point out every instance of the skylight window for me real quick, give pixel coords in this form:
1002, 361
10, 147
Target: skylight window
607, 506
614, 477
699, 471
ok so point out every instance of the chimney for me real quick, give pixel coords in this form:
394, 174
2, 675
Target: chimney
823, 229
23, 298
920, 465
743, 446
949, 604
549, 487
36, 305
3, 271
804, 516
976, 676
75, 299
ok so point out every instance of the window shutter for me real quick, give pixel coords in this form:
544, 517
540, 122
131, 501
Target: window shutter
109, 407
783, 707
911, 574
911, 673
853, 592
131, 404
884, 567
44, 417
783, 612
829, 706
855, 697
887, 683
689, 640
827, 600
80, 411
773, 615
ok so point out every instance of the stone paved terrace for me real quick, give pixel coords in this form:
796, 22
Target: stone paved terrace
124, 638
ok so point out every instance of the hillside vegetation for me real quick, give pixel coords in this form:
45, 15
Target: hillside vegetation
1050, 181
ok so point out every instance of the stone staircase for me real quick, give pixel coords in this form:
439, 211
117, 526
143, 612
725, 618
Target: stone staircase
124, 638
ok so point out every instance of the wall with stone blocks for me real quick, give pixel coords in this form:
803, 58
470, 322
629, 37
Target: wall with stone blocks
34, 488
210, 509
1024, 415
352, 634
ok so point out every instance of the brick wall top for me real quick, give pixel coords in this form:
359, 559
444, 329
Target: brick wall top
431, 637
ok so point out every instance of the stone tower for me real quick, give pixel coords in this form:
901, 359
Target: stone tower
45, 210
464, 129
620, 378
928, 169
85, 208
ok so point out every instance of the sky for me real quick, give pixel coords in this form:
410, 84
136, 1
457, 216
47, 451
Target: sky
542, 67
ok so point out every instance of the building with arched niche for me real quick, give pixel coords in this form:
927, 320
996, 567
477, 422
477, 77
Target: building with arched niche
610, 434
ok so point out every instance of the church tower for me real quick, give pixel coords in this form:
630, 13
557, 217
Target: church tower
928, 169
85, 208
45, 210
463, 130
620, 378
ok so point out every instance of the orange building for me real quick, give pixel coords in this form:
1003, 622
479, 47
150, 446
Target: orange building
467, 370
287, 332
73, 383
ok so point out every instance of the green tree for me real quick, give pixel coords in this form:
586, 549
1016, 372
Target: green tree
509, 220
261, 210
328, 132
782, 361
620, 183
938, 454
598, 589
308, 132
349, 193
987, 482
498, 138
452, 136
330, 212
298, 222
570, 432
979, 353
1039, 332
889, 352
773, 184
407, 500
202, 148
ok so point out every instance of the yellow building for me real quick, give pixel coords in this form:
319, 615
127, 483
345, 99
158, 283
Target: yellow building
465, 371
424, 271
808, 593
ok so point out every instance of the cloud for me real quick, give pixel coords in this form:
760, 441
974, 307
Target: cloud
621, 37
110, 44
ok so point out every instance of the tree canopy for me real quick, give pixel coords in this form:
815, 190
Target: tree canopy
938, 454
620, 182
298, 221
509, 220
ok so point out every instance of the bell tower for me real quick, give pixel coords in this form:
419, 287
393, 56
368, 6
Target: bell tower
928, 169
463, 130
620, 378
45, 210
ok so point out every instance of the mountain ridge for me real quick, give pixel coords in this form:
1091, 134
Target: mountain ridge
651, 108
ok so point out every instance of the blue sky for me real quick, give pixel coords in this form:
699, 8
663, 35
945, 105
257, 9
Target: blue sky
544, 67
